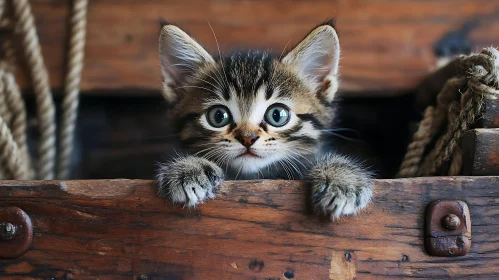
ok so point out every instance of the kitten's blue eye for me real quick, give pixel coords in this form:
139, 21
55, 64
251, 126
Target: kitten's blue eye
218, 116
277, 115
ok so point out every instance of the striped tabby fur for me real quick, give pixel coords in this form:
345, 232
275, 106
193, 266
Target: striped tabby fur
254, 115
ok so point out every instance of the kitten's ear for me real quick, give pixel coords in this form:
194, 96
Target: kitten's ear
180, 56
316, 60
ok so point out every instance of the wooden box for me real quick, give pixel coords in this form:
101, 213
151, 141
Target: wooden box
119, 229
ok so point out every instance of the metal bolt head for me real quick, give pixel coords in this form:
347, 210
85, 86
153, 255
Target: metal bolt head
451, 221
16, 232
7, 231
447, 228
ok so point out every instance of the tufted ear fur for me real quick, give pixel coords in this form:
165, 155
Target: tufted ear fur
316, 60
180, 57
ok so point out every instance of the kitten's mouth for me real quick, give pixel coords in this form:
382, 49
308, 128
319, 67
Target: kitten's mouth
248, 154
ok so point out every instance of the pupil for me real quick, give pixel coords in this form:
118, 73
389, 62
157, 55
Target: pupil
278, 114
219, 116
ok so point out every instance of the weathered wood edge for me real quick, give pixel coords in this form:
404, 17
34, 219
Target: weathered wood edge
104, 229
109, 188
481, 152
490, 114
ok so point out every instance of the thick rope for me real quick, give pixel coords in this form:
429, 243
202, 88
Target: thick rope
14, 100
12, 159
16, 106
415, 151
15, 161
71, 88
434, 121
455, 113
482, 84
446, 100
46, 110
472, 106
456, 159
4, 110
12, 96
5, 114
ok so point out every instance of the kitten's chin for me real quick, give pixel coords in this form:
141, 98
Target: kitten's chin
250, 164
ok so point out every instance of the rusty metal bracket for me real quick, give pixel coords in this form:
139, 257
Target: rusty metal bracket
447, 228
16, 232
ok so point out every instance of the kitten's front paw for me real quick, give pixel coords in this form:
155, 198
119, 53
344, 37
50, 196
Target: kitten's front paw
340, 186
189, 180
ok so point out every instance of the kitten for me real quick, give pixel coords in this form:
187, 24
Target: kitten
254, 115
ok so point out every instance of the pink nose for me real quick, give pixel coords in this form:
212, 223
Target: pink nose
247, 141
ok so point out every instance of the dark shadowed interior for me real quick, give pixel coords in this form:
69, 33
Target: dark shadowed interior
125, 137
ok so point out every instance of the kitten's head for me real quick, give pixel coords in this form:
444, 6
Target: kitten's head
249, 110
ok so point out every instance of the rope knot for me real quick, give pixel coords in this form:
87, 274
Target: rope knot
458, 105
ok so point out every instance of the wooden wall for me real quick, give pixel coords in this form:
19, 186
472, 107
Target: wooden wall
387, 44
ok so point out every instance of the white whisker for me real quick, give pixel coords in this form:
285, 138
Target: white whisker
240, 168
293, 166
282, 53
220, 54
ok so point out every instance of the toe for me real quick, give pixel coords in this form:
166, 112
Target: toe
337, 210
192, 198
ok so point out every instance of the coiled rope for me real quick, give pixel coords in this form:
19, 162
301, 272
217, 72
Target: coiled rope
435, 146
15, 160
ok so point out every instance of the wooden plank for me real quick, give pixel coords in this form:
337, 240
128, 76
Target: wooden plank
490, 114
387, 44
119, 229
481, 152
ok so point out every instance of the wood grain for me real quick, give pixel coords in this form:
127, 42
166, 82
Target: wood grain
119, 229
481, 152
386, 44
